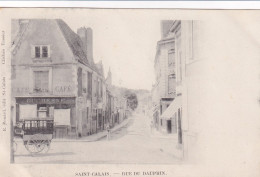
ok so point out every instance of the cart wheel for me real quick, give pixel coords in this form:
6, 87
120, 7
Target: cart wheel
37, 143
47, 146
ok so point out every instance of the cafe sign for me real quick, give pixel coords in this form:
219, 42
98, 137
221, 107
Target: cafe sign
46, 100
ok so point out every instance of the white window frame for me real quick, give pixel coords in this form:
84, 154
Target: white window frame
171, 51
33, 54
32, 81
174, 77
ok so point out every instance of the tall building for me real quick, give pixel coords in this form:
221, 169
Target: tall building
188, 59
164, 90
54, 76
182, 40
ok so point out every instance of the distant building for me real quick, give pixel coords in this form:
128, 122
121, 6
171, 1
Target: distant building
110, 106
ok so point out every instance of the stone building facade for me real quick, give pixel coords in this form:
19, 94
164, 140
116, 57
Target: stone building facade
181, 109
188, 35
54, 76
164, 89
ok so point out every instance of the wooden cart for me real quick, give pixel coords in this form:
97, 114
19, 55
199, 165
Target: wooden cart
37, 134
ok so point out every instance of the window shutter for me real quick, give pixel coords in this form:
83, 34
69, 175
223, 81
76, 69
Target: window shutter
32, 51
49, 51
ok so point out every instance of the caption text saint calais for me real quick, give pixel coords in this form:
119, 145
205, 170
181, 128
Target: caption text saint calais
144, 173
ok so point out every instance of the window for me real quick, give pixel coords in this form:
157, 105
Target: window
89, 84
171, 58
98, 90
44, 51
37, 52
87, 114
95, 87
41, 81
94, 114
84, 83
41, 51
171, 80
101, 89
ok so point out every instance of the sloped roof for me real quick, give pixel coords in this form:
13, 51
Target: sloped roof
17, 33
100, 69
76, 45
73, 41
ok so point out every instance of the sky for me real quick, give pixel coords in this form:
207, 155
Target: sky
124, 42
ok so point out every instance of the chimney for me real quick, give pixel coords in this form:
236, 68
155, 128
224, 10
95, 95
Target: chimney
165, 27
87, 39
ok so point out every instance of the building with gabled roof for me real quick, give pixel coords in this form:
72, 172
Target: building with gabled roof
54, 76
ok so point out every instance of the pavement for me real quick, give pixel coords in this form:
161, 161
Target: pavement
131, 142
90, 138
99, 135
176, 149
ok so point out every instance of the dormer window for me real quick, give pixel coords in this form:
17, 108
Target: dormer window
37, 52
41, 51
45, 51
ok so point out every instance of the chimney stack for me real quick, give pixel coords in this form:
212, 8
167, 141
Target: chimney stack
87, 39
165, 27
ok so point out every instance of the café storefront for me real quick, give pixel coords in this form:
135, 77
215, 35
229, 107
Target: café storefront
61, 109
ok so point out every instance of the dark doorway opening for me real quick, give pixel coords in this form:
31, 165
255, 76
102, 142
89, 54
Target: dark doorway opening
169, 126
179, 126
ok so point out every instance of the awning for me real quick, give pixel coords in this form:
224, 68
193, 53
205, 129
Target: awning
155, 109
173, 108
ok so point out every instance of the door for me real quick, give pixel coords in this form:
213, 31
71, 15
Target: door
179, 127
169, 126
62, 122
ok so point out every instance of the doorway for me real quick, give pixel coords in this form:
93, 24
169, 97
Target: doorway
169, 126
179, 127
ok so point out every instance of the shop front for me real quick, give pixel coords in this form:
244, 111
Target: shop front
169, 122
61, 109
156, 117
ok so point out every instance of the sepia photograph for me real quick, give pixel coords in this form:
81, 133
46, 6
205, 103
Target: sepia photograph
63, 100
130, 92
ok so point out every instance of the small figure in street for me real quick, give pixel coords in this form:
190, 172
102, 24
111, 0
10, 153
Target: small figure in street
151, 126
108, 131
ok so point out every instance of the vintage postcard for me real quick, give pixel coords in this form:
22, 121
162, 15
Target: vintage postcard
129, 92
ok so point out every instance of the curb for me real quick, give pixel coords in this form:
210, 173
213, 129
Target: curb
125, 122
104, 134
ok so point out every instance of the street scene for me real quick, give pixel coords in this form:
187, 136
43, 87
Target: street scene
68, 107
134, 142
130, 92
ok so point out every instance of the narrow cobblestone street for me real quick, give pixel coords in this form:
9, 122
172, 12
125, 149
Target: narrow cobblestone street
135, 142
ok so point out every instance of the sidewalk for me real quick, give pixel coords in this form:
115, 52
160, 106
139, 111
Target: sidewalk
103, 134
90, 138
157, 134
175, 150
